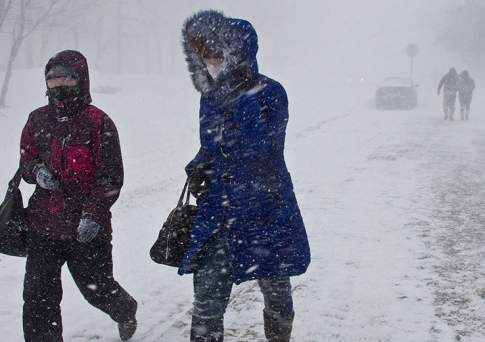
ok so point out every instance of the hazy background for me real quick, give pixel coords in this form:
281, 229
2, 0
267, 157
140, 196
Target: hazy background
334, 41
388, 198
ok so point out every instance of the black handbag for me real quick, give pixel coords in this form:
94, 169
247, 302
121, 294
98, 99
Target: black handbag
175, 233
13, 221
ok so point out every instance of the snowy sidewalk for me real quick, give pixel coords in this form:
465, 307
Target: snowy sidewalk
392, 202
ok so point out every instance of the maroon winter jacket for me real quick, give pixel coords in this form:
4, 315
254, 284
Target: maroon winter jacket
82, 150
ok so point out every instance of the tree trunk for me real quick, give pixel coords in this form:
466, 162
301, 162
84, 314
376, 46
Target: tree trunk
99, 37
75, 37
159, 53
2, 7
8, 72
3, 11
17, 39
44, 42
18, 36
29, 52
118, 33
148, 68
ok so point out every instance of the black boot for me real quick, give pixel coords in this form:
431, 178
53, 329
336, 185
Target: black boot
277, 330
199, 334
127, 329
206, 339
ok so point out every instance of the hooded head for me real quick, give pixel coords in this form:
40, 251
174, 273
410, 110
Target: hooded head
71, 64
210, 33
465, 74
452, 72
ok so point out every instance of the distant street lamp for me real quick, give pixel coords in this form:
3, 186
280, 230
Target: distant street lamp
412, 51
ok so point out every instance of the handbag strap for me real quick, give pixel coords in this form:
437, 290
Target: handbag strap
15, 182
187, 198
185, 193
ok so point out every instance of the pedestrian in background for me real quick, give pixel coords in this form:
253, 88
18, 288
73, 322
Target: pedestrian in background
466, 86
449, 83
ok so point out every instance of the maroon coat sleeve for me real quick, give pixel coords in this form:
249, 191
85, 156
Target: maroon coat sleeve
29, 152
109, 174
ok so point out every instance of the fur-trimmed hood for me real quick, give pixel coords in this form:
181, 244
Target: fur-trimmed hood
235, 37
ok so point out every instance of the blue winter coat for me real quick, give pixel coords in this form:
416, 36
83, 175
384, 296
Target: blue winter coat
250, 201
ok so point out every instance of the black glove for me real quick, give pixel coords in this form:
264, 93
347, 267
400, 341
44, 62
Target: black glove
198, 184
44, 178
87, 230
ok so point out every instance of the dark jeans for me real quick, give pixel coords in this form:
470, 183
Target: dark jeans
212, 290
91, 267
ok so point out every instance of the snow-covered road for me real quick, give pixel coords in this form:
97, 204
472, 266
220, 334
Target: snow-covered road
392, 202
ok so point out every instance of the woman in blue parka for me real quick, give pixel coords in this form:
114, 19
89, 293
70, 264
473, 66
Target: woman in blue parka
249, 225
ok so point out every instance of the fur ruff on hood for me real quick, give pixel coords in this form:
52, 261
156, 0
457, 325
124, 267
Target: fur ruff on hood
211, 29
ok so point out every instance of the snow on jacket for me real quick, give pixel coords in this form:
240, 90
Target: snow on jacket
82, 150
250, 201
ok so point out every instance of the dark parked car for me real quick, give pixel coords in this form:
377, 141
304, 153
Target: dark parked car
396, 93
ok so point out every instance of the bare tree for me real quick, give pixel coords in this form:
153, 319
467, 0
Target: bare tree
100, 46
67, 31
5, 7
119, 36
27, 15
156, 34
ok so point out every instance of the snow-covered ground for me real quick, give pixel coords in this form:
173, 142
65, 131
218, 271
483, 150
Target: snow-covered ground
392, 202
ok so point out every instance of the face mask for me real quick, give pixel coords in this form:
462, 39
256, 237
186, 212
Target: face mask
64, 93
214, 70
66, 100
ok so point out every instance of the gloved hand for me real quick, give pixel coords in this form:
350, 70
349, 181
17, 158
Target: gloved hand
197, 185
44, 178
87, 230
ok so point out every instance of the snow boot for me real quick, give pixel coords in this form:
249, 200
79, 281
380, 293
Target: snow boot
277, 330
127, 329
193, 338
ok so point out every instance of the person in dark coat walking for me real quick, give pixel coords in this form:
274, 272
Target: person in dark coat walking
249, 225
449, 83
466, 85
70, 150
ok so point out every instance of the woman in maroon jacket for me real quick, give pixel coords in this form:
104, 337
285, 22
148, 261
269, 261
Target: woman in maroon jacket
70, 150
